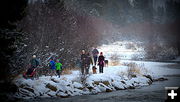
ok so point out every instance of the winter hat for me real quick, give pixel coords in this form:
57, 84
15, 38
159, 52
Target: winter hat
83, 51
101, 53
34, 56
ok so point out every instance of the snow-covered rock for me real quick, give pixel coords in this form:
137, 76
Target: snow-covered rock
113, 78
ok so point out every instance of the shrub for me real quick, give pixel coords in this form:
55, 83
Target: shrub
133, 70
68, 70
114, 59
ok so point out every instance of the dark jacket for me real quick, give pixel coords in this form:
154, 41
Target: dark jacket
83, 59
95, 52
34, 63
88, 60
101, 61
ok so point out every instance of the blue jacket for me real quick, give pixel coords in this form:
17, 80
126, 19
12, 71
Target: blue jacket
52, 64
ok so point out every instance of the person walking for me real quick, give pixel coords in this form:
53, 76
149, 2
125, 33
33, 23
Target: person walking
95, 53
34, 63
88, 62
83, 62
52, 67
58, 67
101, 62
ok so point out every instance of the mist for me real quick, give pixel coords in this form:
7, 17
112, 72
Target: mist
65, 27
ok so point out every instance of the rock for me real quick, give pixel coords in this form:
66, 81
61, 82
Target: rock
118, 85
104, 88
78, 85
90, 88
51, 87
133, 76
131, 87
150, 82
106, 83
29, 89
51, 93
62, 95
26, 93
96, 82
108, 90
148, 76
123, 82
160, 79
54, 80
24, 85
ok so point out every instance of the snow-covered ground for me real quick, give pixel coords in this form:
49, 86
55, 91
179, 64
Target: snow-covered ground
113, 78
157, 68
124, 50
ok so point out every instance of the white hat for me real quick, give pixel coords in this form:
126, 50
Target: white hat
34, 56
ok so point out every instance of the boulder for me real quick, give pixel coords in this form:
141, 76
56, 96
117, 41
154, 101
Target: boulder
62, 94
160, 79
106, 83
108, 90
29, 89
123, 82
51, 87
54, 80
97, 82
148, 76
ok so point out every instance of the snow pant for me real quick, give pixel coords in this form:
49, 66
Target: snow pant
52, 72
100, 69
87, 69
29, 71
83, 69
58, 73
95, 59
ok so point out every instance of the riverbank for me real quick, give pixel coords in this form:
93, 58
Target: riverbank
154, 92
113, 78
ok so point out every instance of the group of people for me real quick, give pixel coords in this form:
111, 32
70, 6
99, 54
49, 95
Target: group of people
87, 59
55, 66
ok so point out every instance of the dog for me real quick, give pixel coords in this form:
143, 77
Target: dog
106, 63
94, 69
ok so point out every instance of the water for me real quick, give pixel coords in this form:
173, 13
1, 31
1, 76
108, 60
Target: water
154, 92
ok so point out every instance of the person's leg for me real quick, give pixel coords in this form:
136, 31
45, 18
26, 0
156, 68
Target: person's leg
95, 60
99, 69
102, 69
29, 71
58, 73
87, 70
82, 69
51, 72
54, 71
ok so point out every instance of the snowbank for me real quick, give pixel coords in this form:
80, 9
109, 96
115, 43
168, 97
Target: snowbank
113, 78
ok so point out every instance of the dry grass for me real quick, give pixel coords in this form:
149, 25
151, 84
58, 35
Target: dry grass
66, 71
133, 70
114, 63
114, 60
